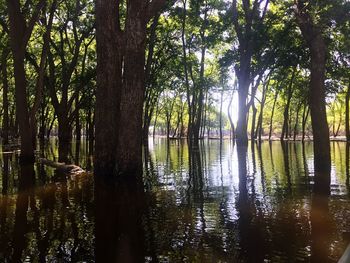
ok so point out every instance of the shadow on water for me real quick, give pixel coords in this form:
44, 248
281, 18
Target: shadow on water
213, 203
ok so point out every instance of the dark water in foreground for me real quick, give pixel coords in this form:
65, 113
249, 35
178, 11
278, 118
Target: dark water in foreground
212, 204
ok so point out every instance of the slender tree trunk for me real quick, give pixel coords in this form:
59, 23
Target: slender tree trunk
50, 127
296, 122
285, 128
232, 134
155, 121
305, 117
272, 113
204, 119
259, 129
168, 119
252, 130
77, 120
41, 74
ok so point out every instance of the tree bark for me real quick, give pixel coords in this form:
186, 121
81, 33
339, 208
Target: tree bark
109, 81
133, 90
121, 85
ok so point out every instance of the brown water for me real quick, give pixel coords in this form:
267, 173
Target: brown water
210, 204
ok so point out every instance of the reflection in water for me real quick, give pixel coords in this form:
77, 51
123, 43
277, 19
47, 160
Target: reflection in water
206, 204
119, 234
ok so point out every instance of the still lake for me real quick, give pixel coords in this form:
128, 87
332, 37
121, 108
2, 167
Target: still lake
214, 203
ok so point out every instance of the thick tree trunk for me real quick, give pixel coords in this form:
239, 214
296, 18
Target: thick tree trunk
27, 150
109, 82
241, 130
132, 95
313, 36
318, 106
64, 138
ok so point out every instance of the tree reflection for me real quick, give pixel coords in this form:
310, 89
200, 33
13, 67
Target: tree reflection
119, 207
25, 186
285, 149
251, 235
321, 223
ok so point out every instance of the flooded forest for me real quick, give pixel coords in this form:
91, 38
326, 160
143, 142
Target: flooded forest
174, 131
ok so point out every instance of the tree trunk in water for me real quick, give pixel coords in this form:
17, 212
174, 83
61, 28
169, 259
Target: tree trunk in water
109, 82
272, 113
313, 36
241, 130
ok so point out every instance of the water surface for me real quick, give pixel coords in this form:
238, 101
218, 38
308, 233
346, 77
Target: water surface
213, 203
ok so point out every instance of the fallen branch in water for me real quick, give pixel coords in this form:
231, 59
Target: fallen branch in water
62, 167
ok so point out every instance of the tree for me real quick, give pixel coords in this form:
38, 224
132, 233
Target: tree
120, 83
312, 33
20, 31
247, 25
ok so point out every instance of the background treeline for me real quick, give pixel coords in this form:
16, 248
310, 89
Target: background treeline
194, 49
